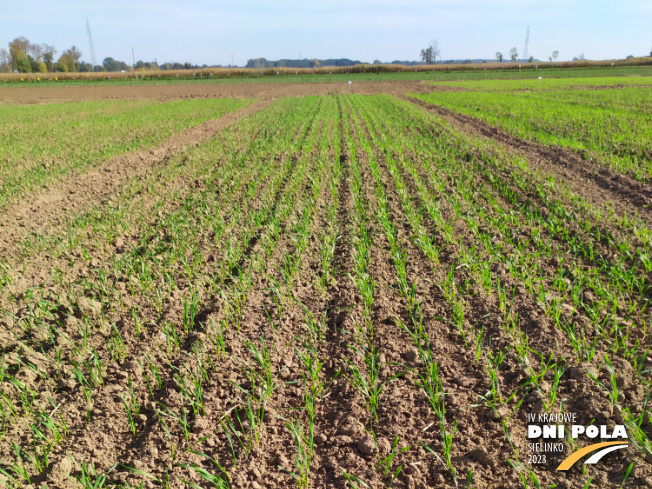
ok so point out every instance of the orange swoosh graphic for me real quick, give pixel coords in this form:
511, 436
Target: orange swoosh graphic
570, 461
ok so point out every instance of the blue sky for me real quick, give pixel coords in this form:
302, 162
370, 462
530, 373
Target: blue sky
203, 31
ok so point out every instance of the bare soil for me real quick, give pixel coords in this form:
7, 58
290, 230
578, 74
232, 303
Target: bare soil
50, 94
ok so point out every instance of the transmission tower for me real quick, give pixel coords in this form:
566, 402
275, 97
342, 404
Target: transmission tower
527, 42
90, 41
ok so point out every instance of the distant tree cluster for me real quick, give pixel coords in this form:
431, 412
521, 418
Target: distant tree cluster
513, 55
262, 63
110, 64
24, 56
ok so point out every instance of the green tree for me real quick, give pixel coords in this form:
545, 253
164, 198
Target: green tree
33, 63
18, 52
66, 63
69, 60
499, 56
513, 54
22, 63
257, 63
109, 64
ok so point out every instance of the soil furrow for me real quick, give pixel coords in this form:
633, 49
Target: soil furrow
339, 302
585, 177
45, 209
261, 319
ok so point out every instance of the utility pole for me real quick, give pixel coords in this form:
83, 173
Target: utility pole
134, 57
231, 61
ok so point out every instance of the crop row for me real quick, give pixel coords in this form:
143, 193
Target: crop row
613, 125
548, 83
142, 282
41, 145
480, 204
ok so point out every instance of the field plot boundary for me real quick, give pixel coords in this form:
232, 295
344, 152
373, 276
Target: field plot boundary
59, 94
566, 163
44, 209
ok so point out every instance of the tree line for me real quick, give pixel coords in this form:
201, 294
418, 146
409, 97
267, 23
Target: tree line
24, 56
27, 57
513, 55
429, 55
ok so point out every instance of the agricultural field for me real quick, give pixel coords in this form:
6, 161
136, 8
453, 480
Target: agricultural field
327, 74
41, 145
614, 126
546, 83
337, 289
